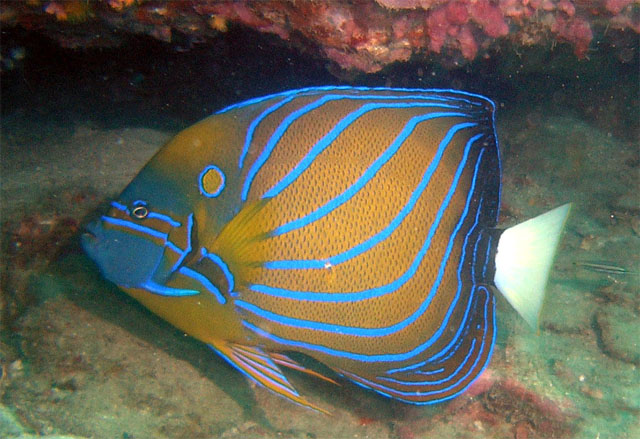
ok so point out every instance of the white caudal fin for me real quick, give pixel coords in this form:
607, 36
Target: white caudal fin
523, 261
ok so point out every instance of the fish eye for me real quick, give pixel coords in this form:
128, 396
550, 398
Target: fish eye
140, 212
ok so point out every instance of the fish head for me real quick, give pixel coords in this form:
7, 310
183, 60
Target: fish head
142, 239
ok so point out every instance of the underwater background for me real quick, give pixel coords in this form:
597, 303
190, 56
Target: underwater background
81, 359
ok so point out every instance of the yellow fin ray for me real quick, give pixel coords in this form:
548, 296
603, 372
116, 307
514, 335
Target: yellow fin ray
238, 240
259, 366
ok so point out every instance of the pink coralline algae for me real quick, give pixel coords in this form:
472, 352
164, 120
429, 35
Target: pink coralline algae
365, 35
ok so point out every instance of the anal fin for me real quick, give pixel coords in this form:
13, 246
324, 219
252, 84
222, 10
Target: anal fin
261, 367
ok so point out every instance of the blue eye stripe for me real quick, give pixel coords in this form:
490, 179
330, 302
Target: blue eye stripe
133, 226
120, 206
155, 215
165, 218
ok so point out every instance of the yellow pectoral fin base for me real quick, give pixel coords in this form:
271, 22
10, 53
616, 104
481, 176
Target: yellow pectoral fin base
261, 367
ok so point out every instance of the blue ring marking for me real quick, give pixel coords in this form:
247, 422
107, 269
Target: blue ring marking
163, 290
384, 331
381, 290
310, 91
292, 117
223, 266
384, 233
201, 185
348, 120
369, 173
186, 271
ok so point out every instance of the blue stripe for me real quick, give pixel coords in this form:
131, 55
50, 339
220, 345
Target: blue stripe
370, 173
381, 290
445, 321
352, 117
388, 230
254, 125
223, 266
188, 272
368, 331
164, 218
474, 259
133, 226
183, 253
434, 382
120, 206
163, 290
388, 330
287, 121
238, 359
262, 371
458, 94
417, 394
486, 257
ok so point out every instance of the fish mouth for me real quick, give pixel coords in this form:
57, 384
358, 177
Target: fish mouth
90, 236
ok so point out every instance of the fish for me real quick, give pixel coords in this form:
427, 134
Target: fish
354, 226
606, 268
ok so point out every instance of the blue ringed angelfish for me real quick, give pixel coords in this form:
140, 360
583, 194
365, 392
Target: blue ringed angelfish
353, 225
